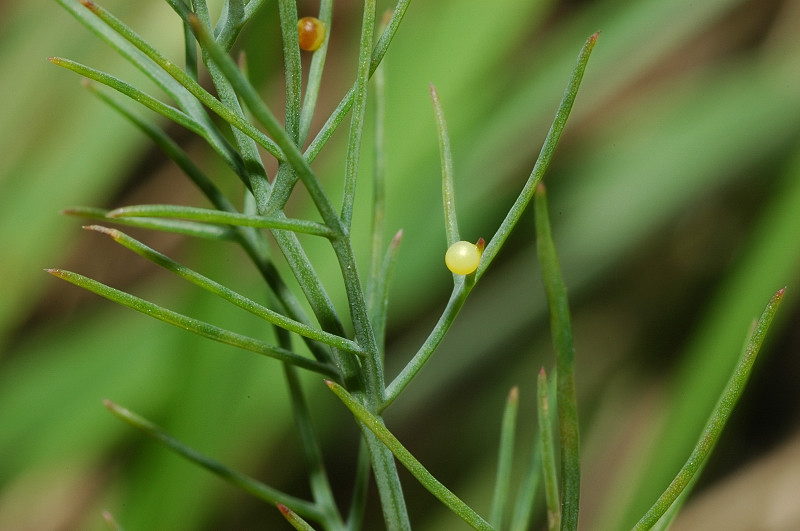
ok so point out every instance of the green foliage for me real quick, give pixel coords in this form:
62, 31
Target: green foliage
287, 189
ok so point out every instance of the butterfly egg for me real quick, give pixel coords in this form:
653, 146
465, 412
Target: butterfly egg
310, 33
462, 258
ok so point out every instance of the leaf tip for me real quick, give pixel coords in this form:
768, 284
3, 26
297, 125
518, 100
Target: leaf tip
398, 237
285, 511
513, 394
114, 233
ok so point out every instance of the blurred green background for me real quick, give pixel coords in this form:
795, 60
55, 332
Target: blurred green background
675, 197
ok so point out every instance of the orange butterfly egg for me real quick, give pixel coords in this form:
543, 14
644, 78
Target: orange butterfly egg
310, 33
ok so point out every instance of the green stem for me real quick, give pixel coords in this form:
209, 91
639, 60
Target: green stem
375, 425
401, 381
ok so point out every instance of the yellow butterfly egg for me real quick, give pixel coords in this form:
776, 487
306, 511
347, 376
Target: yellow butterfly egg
462, 258
310, 33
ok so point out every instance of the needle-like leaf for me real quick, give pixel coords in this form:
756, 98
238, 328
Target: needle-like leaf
716, 421
193, 325
246, 483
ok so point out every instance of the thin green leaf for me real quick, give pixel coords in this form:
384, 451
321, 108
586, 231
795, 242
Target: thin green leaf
379, 312
502, 483
548, 454
193, 325
378, 190
177, 154
315, 72
177, 116
294, 519
246, 483
190, 51
719, 416
561, 330
287, 9
186, 228
185, 80
526, 496
317, 475
221, 217
358, 112
542, 162
229, 295
358, 503
448, 187
426, 479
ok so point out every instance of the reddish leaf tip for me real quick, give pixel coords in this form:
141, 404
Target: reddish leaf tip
285, 511
513, 394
